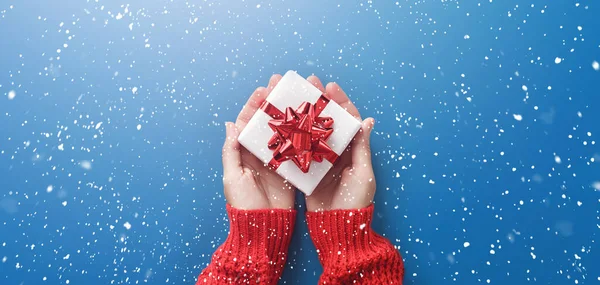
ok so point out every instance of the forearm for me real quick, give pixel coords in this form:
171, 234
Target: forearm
350, 251
255, 250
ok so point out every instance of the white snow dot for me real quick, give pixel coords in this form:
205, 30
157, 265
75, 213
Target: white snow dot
257, 5
127, 225
134, 90
557, 159
61, 147
596, 185
557, 60
64, 203
139, 127
85, 164
524, 87
466, 244
466, 37
12, 94
49, 188
518, 117
596, 65
362, 226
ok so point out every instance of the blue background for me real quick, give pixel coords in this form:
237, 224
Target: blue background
467, 192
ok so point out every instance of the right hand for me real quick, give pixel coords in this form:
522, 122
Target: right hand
350, 184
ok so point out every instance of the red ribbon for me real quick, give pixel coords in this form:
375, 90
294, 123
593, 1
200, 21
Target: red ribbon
300, 134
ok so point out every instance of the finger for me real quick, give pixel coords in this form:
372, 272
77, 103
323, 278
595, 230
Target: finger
361, 146
316, 82
253, 103
335, 93
232, 160
273, 82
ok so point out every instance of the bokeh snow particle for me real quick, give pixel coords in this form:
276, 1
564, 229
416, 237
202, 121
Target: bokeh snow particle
518, 117
12, 94
85, 164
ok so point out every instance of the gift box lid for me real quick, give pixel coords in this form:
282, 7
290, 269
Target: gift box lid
291, 91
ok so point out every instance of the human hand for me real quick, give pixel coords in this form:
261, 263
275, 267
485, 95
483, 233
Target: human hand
350, 184
248, 183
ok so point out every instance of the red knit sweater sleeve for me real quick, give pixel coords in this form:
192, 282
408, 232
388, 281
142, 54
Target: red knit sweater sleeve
255, 250
350, 251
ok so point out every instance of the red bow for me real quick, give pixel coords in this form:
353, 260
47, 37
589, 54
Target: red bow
300, 135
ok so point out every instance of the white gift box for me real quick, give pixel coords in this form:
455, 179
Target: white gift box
292, 91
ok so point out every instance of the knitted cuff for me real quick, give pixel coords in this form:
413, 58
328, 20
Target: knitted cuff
259, 234
345, 236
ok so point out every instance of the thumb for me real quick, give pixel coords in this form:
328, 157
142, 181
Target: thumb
361, 147
232, 160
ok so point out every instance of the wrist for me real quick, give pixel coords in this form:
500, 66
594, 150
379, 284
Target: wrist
255, 250
342, 236
262, 234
